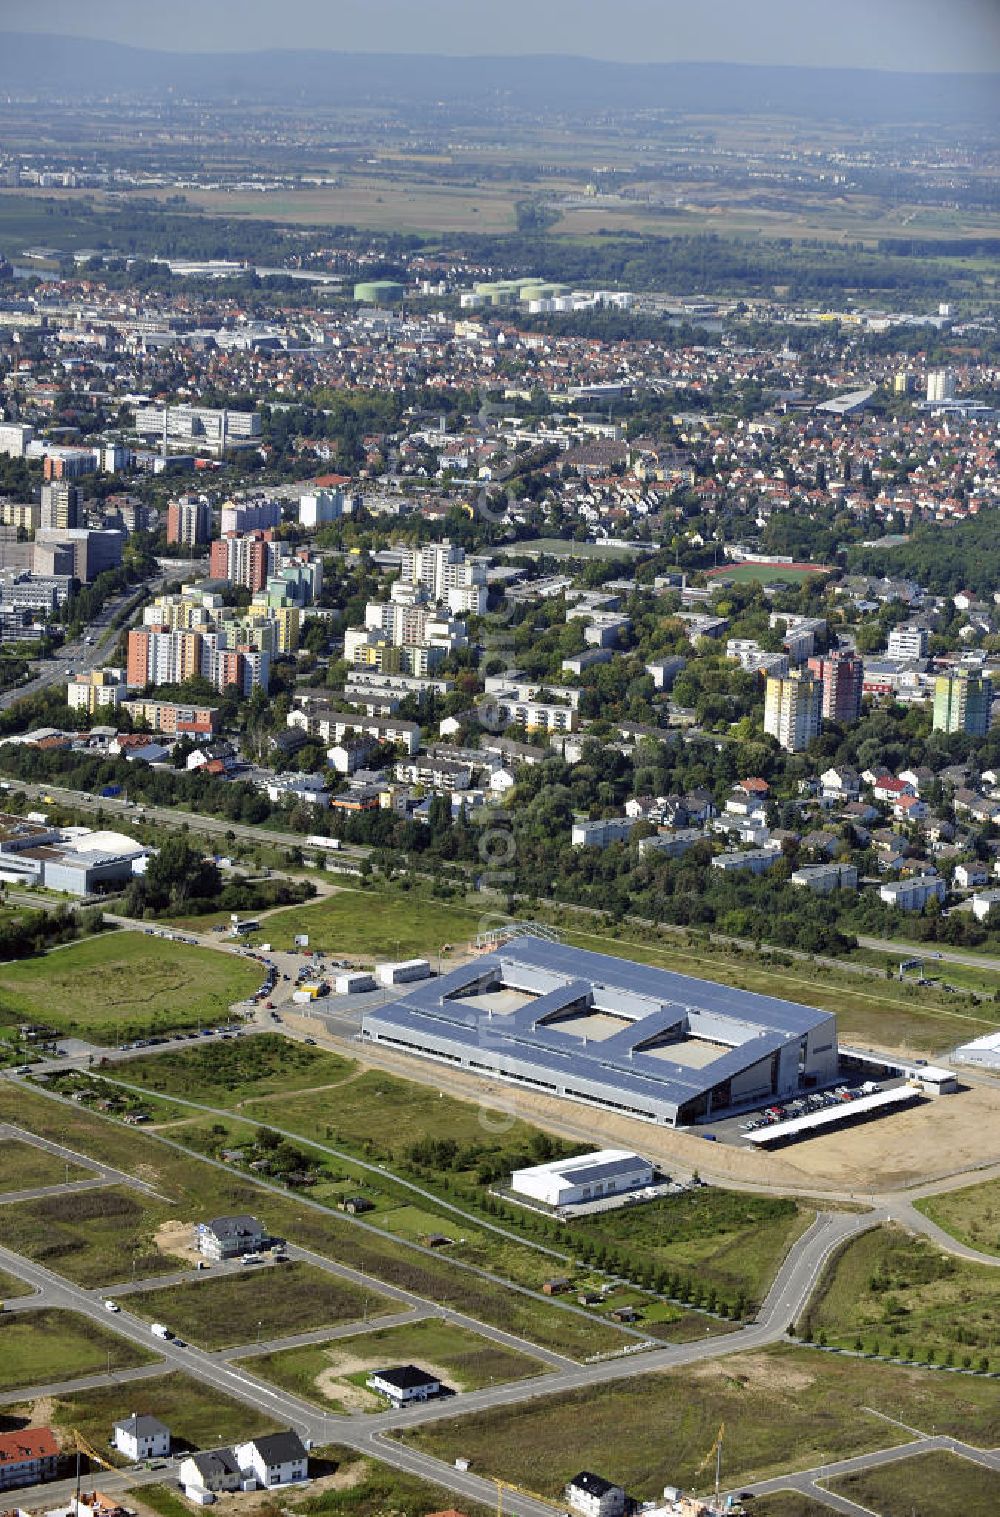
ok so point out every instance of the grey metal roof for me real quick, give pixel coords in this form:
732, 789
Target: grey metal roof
587, 1174
654, 1004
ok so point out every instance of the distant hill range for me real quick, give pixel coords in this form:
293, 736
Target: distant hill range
88, 68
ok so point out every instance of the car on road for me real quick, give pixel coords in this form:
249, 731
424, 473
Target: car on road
111, 1306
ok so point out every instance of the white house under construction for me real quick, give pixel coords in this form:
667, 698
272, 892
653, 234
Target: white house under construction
622, 1036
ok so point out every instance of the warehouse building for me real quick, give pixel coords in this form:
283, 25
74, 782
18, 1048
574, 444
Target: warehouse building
623, 1037
590, 1177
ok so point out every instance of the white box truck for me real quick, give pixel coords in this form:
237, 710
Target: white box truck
159, 1330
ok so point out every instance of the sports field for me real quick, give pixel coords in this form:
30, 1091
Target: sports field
120, 985
768, 574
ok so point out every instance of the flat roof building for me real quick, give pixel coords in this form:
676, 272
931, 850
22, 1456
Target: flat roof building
590, 1177
620, 1036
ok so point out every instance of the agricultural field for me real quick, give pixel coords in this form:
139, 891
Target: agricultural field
198, 1416
372, 924
24, 1166
122, 985
943, 1484
333, 1374
48, 1345
377, 203
784, 1409
889, 1293
972, 1214
94, 1237
269, 1301
249, 1067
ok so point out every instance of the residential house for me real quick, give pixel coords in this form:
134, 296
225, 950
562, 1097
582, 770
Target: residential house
141, 1438
914, 893
274, 1459
404, 1383
821, 879
593, 1496
215, 1470
985, 903
28, 1457
228, 1237
968, 876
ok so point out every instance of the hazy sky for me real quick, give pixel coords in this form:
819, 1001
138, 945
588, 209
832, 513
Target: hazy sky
932, 35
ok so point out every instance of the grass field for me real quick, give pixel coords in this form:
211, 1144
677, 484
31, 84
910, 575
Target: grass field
384, 1115
94, 1237
373, 203
23, 1166
117, 986
728, 1240
972, 1215
944, 1485
368, 1488
376, 924
38, 1347
783, 1409
272, 1300
226, 1073
893, 1293
197, 1416
464, 1361
197, 1190
789, 1504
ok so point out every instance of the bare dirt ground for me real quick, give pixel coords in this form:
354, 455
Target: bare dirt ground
176, 1238
933, 1139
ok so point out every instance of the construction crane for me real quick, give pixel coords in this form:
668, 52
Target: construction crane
84, 1447
716, 1449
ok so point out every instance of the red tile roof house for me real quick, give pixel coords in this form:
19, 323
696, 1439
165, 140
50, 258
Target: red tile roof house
27, 1457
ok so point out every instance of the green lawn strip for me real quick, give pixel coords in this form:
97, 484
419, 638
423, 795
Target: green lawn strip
272, 1300
159, 1499
788, 1504
372, 1489
939, 1483
92, 1236
465, 1361
972, 1214
893, 1293
228, 1073
24, 1166
49, 1344
198, 1190
113, 988
197, 1416
10, 1285
783, 1409
375, 924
